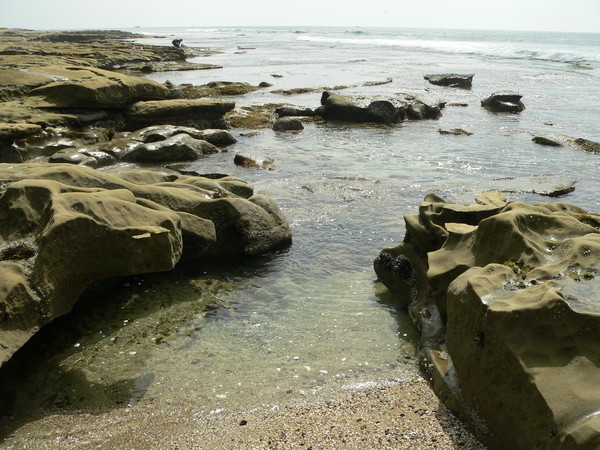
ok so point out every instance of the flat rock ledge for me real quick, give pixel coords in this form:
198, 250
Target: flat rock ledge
451, 80
505, 295
64, 227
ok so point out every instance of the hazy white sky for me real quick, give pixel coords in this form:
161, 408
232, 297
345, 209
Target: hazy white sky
548, 15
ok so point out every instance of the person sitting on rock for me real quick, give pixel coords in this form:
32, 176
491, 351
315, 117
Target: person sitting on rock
177, 42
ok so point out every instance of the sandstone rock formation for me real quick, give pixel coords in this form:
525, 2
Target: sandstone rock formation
63, 227
22, 49
451, 79
90, 88
199, 113
504, 102
505, 295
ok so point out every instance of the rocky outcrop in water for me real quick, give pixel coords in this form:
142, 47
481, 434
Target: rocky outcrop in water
451, 80
287, 124
97, 148
504, 102
21, 50
387, 111
560, 140
64, 227
505, 295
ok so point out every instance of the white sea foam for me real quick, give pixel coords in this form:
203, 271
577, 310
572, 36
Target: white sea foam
507, 49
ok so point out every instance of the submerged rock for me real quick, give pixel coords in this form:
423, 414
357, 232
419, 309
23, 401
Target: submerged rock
506, 299
560, 140
63, 227
546, 141
288, 124
256, 163
456, 132
451, 79
504, 102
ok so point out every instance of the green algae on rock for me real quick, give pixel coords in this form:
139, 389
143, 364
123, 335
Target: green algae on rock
509, 337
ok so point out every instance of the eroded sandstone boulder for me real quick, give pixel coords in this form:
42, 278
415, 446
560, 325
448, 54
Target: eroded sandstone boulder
63, 227
505, 295
85, 87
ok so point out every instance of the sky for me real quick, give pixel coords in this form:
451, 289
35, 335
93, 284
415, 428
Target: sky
537, 15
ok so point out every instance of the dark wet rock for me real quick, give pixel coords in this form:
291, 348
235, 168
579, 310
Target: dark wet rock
504, 102
115, 148
10, 154
337, 107
462, 105
587, 145
421, 107
72, 156
64, 227
180, 147
384, 111
83, 156
417, 111
11, 132
560, 140
198, 113
216, 89
252, 162
456, 132
220, 138
292, 111
451, 79
505, 297
264, 84
546, 141
288, 124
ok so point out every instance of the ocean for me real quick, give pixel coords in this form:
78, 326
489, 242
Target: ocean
311, 320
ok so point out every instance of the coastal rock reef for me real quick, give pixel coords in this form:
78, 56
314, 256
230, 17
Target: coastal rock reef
505, 295
64, 227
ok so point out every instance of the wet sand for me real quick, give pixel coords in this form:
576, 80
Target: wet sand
400, 415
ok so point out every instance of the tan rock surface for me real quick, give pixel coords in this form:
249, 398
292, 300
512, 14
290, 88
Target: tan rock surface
506, 299
63, 227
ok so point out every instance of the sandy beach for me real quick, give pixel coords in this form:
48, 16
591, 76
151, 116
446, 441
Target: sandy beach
401, 415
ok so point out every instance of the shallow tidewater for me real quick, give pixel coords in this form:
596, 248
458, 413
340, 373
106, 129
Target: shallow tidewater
308, 320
